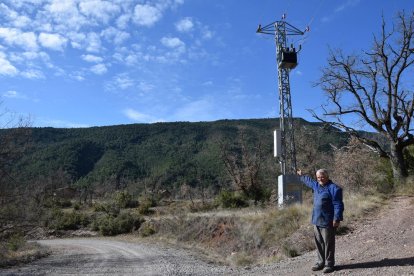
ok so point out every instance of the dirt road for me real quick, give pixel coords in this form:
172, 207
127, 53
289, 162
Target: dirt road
111, 257
381, 245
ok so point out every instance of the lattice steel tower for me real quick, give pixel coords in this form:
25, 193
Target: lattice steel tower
286, 58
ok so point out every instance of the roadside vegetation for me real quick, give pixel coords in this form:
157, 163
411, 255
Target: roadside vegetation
15, 250
241, 225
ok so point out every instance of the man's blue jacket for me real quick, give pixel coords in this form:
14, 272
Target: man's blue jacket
327, 202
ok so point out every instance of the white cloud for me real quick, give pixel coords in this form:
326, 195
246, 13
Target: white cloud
99, 69
124, 82
121, 81
13, 17
172, 42
131, 59
31, 62
93, 42
33, 74
77, 40
199, 110
123, 20
14, 94
96, 29
65, 15
146, 15
184, 25
59, 123
177, 46
58, 6
15, 37
92, 58
206, 33
52, 41
6, 68
101, 10
145, 87
79, 76
140, 117
30, 55
115, 35
347, 4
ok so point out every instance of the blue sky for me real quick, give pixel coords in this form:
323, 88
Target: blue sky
83, 63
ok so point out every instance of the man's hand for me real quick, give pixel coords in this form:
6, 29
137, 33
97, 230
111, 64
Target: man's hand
335, 224
299, 172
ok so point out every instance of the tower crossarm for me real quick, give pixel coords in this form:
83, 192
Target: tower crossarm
271, 29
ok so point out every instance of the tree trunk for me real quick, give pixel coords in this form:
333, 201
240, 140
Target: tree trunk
399, 168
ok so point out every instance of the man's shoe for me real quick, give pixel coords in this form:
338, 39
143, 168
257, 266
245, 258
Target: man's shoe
328, 269
317, 267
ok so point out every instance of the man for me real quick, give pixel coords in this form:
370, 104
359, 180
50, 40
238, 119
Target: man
328, 208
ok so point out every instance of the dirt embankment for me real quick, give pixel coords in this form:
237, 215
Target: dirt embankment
380, 245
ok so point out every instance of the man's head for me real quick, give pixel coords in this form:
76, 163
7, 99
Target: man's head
322, 176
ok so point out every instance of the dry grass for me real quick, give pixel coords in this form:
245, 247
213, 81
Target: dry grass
240, 236
359, 205
255, 235
11, 254
406, 188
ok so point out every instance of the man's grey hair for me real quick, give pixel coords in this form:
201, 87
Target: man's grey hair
323, 172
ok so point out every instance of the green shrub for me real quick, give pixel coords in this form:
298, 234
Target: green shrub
127, 223
76, 206
106, 226
123, 199
229, 199
201, 206
109, 225
145, 205
147, 229
108, 208
53, 202
259, 194
290, 251
15, 242
99, 207
385, 181
63, 203
60, 220
406, 187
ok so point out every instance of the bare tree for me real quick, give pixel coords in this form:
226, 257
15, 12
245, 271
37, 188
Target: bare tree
312, 157
14, 139
373, 87
355, 167
243, 165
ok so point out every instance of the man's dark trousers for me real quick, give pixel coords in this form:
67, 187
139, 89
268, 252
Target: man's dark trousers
325, 244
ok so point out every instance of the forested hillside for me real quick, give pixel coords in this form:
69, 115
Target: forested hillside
160, 157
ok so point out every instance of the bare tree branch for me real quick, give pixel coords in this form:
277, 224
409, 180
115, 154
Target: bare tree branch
375, 82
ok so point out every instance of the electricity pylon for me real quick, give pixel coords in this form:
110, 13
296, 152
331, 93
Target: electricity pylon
286, 58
